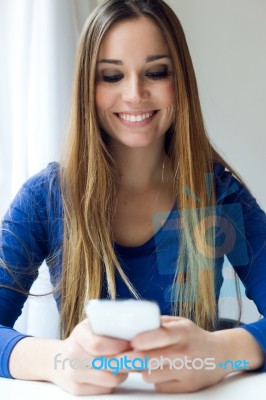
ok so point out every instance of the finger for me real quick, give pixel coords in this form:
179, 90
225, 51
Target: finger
160, 375
170, 318
100, 377
162, 354
138, 361
103, 345
98, 345
127, 362
87, 389
152, 360
170, 333
175, 387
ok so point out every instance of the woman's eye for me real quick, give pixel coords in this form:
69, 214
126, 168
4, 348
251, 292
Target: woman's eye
112, 78
155, 75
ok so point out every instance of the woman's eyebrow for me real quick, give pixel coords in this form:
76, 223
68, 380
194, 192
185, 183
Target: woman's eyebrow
156, 57
119, 62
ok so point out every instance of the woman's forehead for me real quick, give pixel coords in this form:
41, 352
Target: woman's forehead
134, 36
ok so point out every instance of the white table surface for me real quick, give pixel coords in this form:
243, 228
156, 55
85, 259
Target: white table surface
246, 386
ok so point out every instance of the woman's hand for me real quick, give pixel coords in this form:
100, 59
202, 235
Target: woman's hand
69, 371
179, 338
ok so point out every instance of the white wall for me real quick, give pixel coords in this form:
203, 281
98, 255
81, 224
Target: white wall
227, 41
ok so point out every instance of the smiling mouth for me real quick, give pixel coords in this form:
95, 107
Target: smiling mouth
136, 117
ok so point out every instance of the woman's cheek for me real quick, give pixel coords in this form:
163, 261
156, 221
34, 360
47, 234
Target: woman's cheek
101, 99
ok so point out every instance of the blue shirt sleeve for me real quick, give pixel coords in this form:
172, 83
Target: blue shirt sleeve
249, 262
23, 248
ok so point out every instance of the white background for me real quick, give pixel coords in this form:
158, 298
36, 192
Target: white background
227, 41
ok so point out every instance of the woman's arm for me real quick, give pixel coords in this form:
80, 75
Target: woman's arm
247, 257
57, 361
23, 247
33, 358
193, 358
238, 344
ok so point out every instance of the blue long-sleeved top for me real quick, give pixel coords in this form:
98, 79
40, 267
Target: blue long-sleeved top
32, 231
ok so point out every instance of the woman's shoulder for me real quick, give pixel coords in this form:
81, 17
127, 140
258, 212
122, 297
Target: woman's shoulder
40, 193
230, 189
48, 176
225, 183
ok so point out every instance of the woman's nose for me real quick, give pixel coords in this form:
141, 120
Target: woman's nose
135, 91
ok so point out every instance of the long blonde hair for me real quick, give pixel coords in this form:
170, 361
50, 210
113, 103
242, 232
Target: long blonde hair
89, 175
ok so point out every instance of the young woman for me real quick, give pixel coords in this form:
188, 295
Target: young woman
137, 147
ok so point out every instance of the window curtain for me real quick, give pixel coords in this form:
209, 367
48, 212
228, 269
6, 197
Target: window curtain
38, 41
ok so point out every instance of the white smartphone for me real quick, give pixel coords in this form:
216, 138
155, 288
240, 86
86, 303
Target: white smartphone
122, 319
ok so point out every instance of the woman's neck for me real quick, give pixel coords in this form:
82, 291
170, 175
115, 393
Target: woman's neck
140, 168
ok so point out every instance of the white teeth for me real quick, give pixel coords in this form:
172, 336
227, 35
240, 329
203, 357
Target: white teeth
135, 118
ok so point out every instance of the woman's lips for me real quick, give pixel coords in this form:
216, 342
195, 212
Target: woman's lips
136, 119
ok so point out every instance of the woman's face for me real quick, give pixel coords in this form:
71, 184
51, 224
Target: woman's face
134, 85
